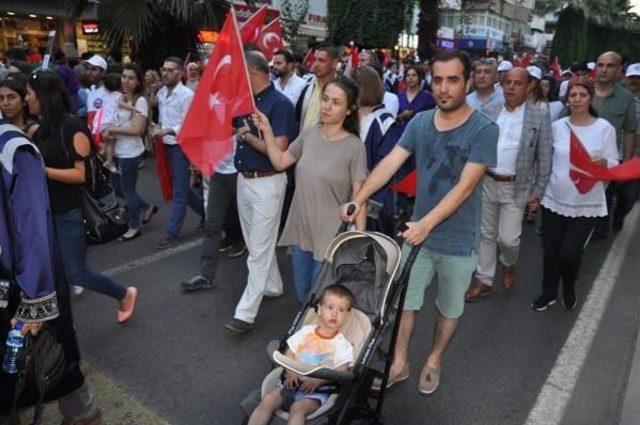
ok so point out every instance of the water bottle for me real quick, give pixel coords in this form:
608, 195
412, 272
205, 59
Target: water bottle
15, 342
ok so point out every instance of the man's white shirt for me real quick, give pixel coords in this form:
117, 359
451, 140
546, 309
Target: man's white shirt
173, 109
293, 88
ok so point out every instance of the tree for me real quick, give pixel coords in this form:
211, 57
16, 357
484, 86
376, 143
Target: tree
428, 24
156, 28
293, 13
369, 23
570, 40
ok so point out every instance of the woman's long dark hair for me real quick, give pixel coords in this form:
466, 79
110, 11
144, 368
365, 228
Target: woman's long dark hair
54, 104
350, 88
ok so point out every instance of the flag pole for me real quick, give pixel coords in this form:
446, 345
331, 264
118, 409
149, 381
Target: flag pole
244, 62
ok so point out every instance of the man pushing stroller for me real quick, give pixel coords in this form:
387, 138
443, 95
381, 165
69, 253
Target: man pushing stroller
315, 344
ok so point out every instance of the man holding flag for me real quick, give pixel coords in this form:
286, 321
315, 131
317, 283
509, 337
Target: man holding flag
261, 191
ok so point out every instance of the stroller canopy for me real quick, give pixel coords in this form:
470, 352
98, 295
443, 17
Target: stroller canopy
364, 262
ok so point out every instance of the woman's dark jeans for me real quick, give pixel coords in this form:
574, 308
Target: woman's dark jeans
125, 186
71, 237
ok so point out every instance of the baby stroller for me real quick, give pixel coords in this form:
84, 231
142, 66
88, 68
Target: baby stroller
366, 263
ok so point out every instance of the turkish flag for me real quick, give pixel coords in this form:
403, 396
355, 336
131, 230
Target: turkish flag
163, 169
352, 60
250, 30
309, 58
223, 93
270, 39
555, 67
584, 173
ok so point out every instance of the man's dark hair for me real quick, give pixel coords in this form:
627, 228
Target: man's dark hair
449, 55
179, 62
257, 61
340, 291
332, 51
288, 56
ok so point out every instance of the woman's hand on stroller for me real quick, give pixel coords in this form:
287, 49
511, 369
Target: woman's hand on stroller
291, 380
349, 211
310, 385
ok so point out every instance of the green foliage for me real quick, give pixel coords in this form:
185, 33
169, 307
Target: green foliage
428, 24
156, 28
369, 23
579, 38
570, 39
293, 13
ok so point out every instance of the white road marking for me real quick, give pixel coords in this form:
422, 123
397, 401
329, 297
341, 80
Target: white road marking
144, 261
558, 389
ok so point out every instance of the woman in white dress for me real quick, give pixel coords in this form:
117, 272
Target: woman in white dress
568, 216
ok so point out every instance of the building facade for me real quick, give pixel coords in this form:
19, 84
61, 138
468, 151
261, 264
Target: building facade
491, 26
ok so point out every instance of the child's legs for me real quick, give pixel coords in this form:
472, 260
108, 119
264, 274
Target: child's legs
269, 404
300, 409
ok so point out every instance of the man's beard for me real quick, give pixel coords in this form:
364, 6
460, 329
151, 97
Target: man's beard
452, 105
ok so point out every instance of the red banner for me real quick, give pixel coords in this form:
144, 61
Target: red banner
270, 39
224, 92
585, 173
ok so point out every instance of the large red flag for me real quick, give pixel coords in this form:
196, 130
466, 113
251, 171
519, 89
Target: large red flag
224, 92
584, 173
250, 29
270, 39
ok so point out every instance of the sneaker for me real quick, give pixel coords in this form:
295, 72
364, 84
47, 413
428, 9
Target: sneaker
237, 251
569, 300
196, 283
78, 290
239, 326
542, 302
165, 241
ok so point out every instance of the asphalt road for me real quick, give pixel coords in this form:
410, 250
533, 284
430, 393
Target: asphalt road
175, 362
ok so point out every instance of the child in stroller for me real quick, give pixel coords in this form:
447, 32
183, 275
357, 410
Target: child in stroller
320, 344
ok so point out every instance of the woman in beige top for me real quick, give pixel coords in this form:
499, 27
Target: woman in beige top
331, 165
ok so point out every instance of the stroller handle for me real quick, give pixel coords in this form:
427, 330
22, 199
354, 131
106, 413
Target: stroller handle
345, 225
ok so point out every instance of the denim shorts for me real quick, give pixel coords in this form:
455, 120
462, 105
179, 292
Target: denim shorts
298, 395
454, 274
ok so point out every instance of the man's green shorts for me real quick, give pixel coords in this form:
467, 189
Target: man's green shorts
454, 274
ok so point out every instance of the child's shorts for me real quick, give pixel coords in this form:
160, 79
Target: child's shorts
290, 396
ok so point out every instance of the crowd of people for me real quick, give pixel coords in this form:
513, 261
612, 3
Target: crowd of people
490, 142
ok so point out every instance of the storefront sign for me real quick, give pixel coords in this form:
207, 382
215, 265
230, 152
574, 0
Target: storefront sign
90, 27
446, 44
208, 36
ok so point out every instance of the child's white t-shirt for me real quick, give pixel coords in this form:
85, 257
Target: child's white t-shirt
312, 348
130, 146
109, 114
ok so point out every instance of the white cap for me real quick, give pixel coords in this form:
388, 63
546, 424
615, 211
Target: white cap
535, 72
591, 66
567, 71
97, 60
633, 70
505, 66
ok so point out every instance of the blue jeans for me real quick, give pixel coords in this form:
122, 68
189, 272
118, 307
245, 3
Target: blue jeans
71, 238
305, 271
182, 193
125, 186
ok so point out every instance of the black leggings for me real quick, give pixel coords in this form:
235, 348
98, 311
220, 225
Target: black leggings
563, 240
